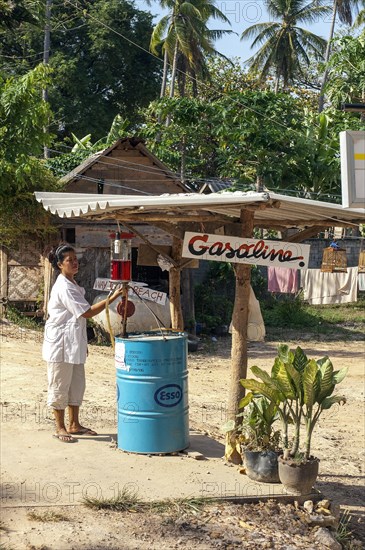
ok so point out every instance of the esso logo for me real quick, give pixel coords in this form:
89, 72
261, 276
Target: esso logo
169, 395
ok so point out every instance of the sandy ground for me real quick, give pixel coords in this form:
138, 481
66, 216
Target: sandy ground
339, 443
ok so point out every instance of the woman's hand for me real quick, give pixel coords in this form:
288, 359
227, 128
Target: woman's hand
116, 294
95, 309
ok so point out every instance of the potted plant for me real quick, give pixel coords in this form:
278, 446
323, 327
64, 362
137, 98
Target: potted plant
259, 441
302, 389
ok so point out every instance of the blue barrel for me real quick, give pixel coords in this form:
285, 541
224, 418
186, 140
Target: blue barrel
152, 393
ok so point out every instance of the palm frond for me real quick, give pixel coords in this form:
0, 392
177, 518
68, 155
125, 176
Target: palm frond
255, 30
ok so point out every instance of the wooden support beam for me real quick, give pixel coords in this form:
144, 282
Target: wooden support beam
144, 239
268, 224
239, 334
48, 277
170, 229
177, 321
3, 279
302, 235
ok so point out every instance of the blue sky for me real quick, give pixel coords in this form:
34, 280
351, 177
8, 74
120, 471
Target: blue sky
242, 14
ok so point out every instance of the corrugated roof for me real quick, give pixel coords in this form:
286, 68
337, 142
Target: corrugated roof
275, 209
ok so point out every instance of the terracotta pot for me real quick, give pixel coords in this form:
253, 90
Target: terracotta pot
298, 478
261, 466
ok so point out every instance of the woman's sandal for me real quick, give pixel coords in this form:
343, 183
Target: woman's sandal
65, 438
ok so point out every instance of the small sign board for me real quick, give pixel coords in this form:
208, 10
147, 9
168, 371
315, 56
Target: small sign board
246, 251
352, 145
143, 291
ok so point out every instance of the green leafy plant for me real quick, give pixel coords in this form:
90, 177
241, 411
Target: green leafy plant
256, 429
301, 389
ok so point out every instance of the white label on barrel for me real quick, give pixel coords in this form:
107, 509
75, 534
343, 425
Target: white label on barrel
120, 357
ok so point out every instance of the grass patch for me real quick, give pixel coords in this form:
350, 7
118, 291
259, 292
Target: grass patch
343, 532
15, 316
46, 517
343, 320
180, 505
128, 501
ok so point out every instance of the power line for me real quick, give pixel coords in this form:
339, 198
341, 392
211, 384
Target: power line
222, 94
177, 176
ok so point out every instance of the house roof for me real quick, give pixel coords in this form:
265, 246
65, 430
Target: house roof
272, 210
113, 165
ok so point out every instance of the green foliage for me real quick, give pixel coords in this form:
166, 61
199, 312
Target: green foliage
97, 72
346, 82
300, 388
227, 137
214, 297
84, 147
254, 133
256, 423
63, 164
23, 114
17, 318
286, 312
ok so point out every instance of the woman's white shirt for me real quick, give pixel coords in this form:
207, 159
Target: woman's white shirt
65, 338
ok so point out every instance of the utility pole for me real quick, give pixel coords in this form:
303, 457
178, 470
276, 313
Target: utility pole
46, 50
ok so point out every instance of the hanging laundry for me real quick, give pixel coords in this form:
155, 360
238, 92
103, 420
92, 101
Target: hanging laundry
282, 279
255, 326
329, 288
361, 281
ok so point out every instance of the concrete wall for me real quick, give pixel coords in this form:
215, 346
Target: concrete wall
352, 246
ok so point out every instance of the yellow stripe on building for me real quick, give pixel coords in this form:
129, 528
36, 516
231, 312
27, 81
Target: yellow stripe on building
359, 156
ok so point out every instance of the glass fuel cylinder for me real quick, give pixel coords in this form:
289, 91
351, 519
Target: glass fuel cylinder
121, 257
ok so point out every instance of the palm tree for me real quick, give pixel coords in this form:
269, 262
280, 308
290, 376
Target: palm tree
186, 39
360, 19
342, 8
285, 46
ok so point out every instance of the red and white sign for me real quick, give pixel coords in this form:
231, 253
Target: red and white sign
246, 251
143, 291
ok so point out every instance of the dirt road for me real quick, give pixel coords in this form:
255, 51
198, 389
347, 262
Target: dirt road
338, 441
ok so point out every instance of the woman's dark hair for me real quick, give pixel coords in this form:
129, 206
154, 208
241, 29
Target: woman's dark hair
57, 255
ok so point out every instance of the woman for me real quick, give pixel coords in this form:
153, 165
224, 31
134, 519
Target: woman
65, 343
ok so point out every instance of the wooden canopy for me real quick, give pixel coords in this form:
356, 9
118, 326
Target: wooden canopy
233, 214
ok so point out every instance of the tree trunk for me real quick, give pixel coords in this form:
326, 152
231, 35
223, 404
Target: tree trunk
326, 58
239, 336
173, 74
46, 49
164, 74
277, 82
173, 78
183, 160
163, 87
177, 321
259, 183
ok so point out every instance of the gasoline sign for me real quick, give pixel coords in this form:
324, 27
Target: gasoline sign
247, 251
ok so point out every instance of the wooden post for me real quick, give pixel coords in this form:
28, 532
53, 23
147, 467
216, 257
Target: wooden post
3, 279
188, 305
177, 321
48, 275
239, 337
